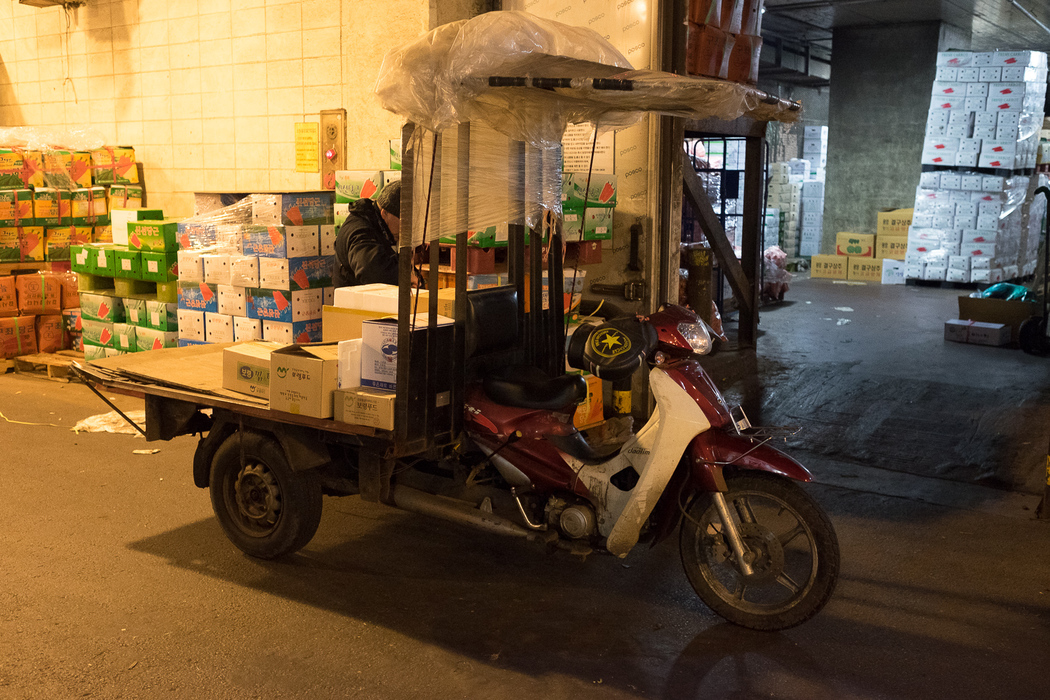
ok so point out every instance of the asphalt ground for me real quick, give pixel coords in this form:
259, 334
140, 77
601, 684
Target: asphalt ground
117, 582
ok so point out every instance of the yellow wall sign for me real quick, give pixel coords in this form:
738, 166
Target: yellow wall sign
307, 140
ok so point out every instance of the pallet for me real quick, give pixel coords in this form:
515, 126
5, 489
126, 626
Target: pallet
54, 365
10, 268
941, 284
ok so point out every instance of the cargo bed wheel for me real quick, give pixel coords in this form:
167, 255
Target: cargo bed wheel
264, 507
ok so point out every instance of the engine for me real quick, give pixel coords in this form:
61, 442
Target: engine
573, 520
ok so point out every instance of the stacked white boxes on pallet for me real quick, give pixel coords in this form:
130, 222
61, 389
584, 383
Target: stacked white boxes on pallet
986, 112
785, 193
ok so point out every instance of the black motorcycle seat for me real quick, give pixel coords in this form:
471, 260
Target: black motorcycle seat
576, 445
530, 387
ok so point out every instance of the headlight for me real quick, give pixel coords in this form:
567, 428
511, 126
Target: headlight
697, 336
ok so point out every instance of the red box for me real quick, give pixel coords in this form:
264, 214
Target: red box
706, 12
706, 51
480, 261
585, 253
743, 59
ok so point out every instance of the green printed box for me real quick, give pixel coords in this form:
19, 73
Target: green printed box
160, 266
597, 224
102, 259
16, 208
135, 311
152, 339
168, 292
12, 170
162, 316
600, 193
47, 207
127, 287
81, 207
128, 264
98, 333
124, 337
94, 352
153, 235
59, 242
102, 307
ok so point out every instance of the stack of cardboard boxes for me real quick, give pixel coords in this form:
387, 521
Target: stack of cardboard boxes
986, 112
54, 199
264, 278
785, 193
38, 313
724, 39
864, 257
128, 287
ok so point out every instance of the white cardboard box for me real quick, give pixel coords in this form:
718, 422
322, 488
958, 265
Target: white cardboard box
379, 350
218, 328
216, 268
191, 324
349, 363
232, 300
245, 329
246, 368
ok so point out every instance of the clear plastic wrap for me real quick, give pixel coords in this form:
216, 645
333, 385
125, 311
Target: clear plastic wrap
64, 160
443, 79
32, 138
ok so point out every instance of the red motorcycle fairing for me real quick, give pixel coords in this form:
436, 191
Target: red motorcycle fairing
708, 455
689, 375
490, 424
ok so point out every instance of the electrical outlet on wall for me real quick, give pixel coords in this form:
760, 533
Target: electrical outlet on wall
333, 145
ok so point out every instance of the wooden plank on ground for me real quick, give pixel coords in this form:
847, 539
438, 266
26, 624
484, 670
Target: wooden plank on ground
53, 365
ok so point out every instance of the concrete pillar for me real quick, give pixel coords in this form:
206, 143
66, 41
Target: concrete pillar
881, 78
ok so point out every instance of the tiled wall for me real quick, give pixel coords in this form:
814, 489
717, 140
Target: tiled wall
207, 91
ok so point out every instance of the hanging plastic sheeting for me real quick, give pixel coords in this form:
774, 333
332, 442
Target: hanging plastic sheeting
36, 139
529, 78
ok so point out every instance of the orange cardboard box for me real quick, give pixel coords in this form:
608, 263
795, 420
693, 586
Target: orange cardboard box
857, 245
39, 293
8, 299
17, 336
706, 51
49, 333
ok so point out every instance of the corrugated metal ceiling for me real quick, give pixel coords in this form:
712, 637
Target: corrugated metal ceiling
994, 24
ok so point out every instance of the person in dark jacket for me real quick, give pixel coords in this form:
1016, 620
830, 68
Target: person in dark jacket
366, 247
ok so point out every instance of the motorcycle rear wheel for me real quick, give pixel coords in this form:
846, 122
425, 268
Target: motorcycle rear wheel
793, 548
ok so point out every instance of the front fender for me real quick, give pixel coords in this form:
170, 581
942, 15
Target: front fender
715, 450
709, 454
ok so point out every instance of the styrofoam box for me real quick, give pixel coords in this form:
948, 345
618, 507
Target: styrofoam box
984, 132
958, 131
949, 181
936, 130
971, 182
813, 204
893, 271
983, 58
990, 208
948, 88
930, 180
930, 157
812, 188
978, 250
1007, 119
991, 74
814, 146
965, 209
915, 270
975, 104
986, 118
935, 274
981, 276
976, 89
967, 159
980, 262
815, 132
960, 118
939, 116
1018, 58
971, 145
954, 275
958, 262
1004, 104
947, 103
970, 236
993, 183
349, 374
968, 74
947, 73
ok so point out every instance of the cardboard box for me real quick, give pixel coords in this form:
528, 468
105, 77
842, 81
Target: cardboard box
233, 301
864, 269
218, 328
977, 332
152, 339
380, 347
244, 270
160, 315
894, 222
160, 266
98, 333
283, 306
198, 296
352, 185
829, 266
16, 208
245, 329
101, 307
193, 234
858, 245
39, 293
47, 207
280, 241
246, 368
120, 218
296, 273
17, 336
345, 324
191, 325
50, 334
8, 299
303, 378
128, 264
216, 268
33, 169
153, 235
363, 406
592, 410
298, 209
301, 332
602, 191
597, 224
892, 271
1010, 313
58, 242
115, 165
124, 337
891, 247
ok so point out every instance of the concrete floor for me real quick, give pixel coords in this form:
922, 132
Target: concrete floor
116, 581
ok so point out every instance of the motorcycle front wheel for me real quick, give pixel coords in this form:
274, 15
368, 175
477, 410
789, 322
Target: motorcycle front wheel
791, 546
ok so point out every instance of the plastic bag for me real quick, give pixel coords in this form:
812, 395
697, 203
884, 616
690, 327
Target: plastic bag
1007, 291
777, 279
111, 423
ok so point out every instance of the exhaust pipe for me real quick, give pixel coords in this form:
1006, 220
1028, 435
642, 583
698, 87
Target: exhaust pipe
416, 501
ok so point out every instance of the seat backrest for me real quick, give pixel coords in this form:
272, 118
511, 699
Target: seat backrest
492, 320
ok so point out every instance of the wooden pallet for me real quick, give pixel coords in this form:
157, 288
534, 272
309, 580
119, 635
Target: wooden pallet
55, 366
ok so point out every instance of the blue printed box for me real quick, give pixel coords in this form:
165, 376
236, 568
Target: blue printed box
295, 209
198, 296
296, 273
300, 332
280, 241
284, 306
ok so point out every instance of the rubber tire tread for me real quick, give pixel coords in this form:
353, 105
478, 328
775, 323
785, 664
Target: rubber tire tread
805, 507
300, 495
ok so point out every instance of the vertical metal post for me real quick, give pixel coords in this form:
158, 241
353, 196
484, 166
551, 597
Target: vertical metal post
433, 226
751, 243
410, 159
460, 227
516, 235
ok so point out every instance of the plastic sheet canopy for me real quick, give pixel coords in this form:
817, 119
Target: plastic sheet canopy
529, 78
